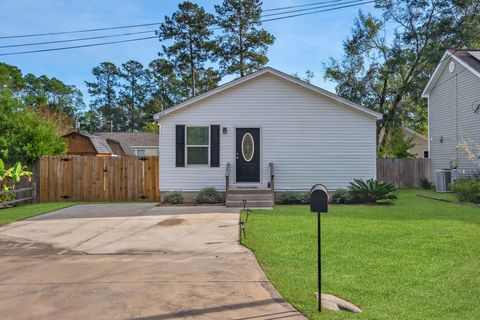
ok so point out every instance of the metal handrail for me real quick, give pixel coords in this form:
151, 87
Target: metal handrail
272, 178
227, 178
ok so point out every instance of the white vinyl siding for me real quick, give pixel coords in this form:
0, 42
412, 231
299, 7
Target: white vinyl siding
310, 138
443, 102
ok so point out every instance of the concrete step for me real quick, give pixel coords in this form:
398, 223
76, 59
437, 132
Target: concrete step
250, 204
249, 197
249, 191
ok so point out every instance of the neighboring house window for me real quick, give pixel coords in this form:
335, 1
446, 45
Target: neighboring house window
197, 145
140, 152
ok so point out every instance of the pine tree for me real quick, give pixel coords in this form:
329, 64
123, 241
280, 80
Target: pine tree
163, 84
133, 95
190, 44
104, 93
243, 45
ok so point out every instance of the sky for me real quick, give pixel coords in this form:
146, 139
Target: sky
302, 43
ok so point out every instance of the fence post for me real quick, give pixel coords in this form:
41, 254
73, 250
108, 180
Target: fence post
34, 192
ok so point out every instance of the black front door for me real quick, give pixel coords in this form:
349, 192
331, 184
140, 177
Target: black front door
248, 155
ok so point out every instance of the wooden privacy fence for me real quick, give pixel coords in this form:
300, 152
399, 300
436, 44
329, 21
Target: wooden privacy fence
91, 178
403, 173
29, 195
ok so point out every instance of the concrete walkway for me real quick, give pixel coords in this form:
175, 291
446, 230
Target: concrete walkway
133, 261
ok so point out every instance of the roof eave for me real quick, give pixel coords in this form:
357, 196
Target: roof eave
431, 82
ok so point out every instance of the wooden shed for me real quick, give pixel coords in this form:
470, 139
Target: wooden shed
85, 144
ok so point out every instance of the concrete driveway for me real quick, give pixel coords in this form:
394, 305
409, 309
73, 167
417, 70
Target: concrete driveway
133, 261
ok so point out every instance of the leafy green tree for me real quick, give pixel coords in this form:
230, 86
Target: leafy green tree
90, 121
40, 92
104, 91
52, 93
164, 85
150, 127
189, 46
133, 95
243, 45
397, 146
30, 130
24, 136
208, 79
11, 79
389, 76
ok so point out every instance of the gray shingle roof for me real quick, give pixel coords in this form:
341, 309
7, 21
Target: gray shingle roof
100, 144
131, 139
470, 57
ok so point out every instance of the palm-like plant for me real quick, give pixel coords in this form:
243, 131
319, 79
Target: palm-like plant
9, 177
371, 190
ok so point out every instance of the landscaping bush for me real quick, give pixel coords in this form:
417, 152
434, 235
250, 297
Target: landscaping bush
426, 184
294, 197
175, 197
9, 177
209, 195
468, 190
371, 190
342, 196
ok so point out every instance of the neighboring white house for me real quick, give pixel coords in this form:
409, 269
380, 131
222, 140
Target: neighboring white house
309, 135
420, 149
453, 94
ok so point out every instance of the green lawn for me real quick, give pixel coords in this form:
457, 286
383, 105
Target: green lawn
417, 259
29, 210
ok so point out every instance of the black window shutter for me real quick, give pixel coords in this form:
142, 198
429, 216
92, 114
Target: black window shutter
180, 146
214, 146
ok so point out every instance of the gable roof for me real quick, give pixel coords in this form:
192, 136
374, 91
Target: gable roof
132, 139
101, 145
469, 58
269, 70
414, 133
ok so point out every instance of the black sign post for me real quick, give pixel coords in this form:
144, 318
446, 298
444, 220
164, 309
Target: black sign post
319, 204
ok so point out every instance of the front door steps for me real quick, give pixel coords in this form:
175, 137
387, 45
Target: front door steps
254, 197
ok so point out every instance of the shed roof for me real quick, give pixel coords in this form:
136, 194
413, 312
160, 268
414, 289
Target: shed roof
102, 145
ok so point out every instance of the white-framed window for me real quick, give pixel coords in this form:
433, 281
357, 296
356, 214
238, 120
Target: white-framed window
140, 152
197, 145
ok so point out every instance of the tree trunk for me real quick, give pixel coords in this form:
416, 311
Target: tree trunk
192, 64
240, 62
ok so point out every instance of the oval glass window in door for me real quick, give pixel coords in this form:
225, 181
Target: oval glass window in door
248, 147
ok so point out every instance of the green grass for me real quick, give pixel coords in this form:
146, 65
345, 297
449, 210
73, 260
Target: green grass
417, 259
29, 210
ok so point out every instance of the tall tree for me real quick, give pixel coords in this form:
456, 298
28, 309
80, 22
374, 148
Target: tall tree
90, 121
133, 95
164, 85
190, 44
52, 93
389, 76
105, 98
24, 135
243, 45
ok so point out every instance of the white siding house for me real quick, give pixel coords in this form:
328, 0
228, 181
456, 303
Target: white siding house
310, 135
453, 94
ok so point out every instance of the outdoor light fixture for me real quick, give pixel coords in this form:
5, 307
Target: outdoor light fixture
224, 130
